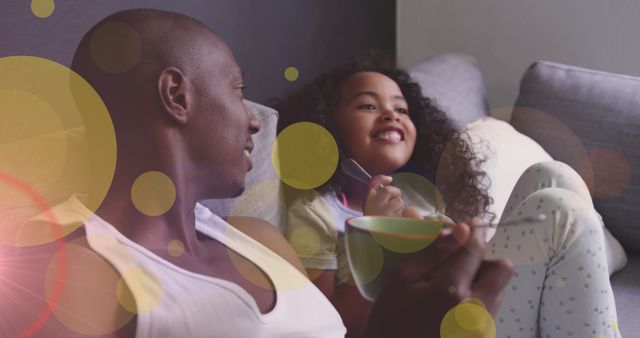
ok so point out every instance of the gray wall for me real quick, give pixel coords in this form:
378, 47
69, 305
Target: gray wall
506, 36
266, 36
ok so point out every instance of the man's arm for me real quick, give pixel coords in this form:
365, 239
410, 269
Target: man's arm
423, 288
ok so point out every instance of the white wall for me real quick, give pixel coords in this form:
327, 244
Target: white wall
506, 36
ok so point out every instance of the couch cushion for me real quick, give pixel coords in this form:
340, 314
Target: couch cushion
506, 153
456, 84
591, 121
263, 194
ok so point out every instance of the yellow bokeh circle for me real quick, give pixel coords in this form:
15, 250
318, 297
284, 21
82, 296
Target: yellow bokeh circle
139, 291
468, 319
365, 256
42, 8
115, 47
56, 136
153, 193
420, 193
263, 200
175, 248
291, 74
250, 271
33, 134
90, 290
305, 155
305, 241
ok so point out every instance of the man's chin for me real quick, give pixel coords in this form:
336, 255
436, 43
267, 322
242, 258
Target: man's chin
233, 188
237, 193
239, 188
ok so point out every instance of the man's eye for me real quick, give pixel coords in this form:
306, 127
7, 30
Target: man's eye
241, 90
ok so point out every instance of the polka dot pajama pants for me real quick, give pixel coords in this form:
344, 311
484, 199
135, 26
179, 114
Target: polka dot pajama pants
560, 286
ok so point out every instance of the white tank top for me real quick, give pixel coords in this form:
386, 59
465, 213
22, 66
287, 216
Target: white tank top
187, 304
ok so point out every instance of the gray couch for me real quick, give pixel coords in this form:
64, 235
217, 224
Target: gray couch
583, 117
586, 118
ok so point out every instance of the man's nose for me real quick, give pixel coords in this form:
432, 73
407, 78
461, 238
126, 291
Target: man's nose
254, 123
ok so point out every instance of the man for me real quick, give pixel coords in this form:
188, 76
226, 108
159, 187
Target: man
178, 109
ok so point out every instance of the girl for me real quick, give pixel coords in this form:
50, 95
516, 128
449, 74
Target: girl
379, 117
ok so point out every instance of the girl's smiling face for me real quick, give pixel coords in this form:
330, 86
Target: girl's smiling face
373, 121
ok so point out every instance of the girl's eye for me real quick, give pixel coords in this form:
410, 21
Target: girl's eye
402, 111
367, 107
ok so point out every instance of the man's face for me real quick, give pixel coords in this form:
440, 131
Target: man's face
221, 126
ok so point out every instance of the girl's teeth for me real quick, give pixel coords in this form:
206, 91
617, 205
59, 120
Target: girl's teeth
246, 152
390, 135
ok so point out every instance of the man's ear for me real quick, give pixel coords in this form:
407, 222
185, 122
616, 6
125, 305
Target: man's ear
174, 94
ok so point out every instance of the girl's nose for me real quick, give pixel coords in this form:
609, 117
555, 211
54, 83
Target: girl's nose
390, 115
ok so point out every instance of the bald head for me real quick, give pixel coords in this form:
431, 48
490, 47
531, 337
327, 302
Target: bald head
123, 55
137, 39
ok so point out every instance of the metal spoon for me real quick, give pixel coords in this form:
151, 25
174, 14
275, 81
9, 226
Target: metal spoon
523, 220
350, 167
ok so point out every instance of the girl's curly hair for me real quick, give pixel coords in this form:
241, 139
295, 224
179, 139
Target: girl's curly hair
441, 153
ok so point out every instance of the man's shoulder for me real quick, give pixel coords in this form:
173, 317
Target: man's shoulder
268, 235
84, 288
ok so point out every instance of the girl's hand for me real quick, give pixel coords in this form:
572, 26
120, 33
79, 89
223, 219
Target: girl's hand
386, 200
383, 198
